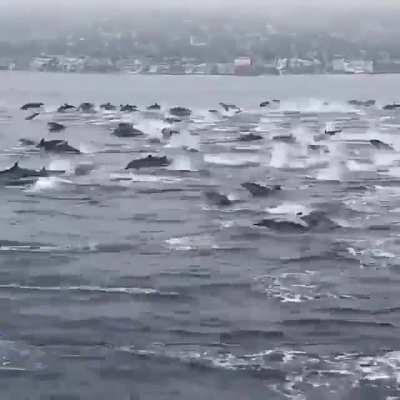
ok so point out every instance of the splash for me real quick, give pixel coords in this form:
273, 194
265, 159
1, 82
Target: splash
337, 164
302, 135
184, 140
187, 243
289, 209
355, 166
85, 148
47, 184
151, 127
182, 163
334, 172
279, 155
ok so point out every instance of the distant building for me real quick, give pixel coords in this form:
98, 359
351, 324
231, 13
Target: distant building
282, 64
44, 63
360, 67
71, 64
244, 66
129, 65
201, 69
98, 65
176, 69
304, 66
343, 66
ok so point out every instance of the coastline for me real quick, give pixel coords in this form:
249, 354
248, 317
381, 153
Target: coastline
127, 73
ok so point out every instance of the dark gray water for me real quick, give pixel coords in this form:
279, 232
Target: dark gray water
133, 285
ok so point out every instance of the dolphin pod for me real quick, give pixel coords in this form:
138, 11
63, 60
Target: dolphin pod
175, 115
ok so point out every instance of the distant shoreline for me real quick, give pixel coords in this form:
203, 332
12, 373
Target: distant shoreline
123, 73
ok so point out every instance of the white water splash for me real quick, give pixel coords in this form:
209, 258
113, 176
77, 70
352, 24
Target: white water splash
47, 184
334, 172
289, 209
181, 163
279, 155
184, 140
355, 166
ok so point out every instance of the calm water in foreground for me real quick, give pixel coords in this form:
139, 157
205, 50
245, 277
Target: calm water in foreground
132, 285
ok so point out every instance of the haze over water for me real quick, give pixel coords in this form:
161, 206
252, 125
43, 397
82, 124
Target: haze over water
132, 284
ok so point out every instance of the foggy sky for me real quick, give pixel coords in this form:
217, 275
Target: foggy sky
307, 14
277, 5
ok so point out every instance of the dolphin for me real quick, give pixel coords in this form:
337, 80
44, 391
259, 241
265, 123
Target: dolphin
16, 172
29, 106
32, 116
108, 107
87, 107
154, 106
65, 107
127, 108
228, 107
390, 107
149, 162
217, 198
125, 129
380, 145
180, 111
55, 127
57, 146
257, 190
250, 137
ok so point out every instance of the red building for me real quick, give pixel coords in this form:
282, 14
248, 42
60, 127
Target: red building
244, 66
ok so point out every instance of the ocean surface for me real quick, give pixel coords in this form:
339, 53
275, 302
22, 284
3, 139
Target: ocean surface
135, 285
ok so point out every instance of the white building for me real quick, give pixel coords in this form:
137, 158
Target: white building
360, 67
281, 64
341, 65
40, 63
71, 64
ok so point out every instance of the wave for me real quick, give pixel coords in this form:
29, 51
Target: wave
290, 372
88, 289
186, 243
145, 178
